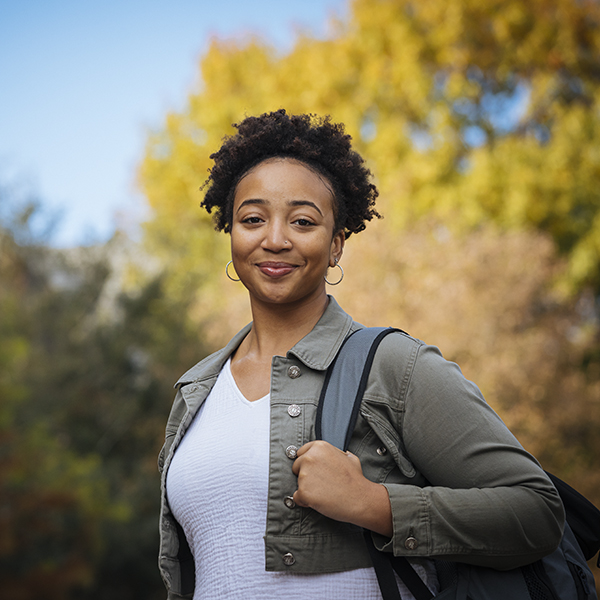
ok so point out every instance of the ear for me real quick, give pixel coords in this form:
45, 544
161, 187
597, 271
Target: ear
337, 247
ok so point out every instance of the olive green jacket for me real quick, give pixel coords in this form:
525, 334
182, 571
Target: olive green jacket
460, 485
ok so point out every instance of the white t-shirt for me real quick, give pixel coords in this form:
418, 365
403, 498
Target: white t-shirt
217, 488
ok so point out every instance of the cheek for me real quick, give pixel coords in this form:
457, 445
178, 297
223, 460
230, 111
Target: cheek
240, 237
322, 251
238, 246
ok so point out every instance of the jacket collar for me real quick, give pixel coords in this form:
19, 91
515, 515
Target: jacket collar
316, 350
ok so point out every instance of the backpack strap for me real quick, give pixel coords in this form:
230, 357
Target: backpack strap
339, 405
345, 385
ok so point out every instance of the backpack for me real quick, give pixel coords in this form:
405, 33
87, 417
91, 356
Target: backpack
562, 575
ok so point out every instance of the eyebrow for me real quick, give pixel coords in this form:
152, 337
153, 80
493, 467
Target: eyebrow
290, 203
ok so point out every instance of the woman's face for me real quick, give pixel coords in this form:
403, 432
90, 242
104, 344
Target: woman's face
282, 232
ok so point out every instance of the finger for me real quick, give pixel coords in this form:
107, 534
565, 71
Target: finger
296, 466
305, 448
298, 499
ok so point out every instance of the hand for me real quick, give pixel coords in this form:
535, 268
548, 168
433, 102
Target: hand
332, 482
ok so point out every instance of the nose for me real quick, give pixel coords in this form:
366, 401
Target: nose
276, 238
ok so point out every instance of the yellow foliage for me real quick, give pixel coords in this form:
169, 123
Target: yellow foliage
412, 81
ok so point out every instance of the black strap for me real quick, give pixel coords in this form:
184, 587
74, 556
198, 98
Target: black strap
411, 579
383, 570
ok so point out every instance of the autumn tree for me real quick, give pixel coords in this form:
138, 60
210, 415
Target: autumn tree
467, 111
90, 347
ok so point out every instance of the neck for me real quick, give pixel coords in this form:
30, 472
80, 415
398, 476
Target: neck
277, 328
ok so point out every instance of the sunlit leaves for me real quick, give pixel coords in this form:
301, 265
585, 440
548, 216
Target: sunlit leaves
462, 109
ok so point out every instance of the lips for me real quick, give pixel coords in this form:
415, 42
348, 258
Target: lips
275, 269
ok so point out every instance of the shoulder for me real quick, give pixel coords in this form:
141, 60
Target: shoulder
398, 349
403, 363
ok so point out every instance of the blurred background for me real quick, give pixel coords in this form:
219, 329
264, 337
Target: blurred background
481, 125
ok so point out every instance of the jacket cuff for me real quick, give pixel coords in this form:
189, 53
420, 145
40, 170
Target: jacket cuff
410, 522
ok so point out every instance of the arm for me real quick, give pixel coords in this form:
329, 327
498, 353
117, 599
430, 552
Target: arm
489, 502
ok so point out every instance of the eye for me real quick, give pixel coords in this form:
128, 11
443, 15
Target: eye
304, 222
252, 220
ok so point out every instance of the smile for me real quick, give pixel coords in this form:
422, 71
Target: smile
275, 269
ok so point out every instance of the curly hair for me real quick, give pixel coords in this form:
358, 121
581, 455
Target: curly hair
321, 145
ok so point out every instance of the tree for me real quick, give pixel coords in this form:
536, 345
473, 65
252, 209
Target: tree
87, 364
53, 499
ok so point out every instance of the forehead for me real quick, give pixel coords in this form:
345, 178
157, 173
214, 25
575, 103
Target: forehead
283, 179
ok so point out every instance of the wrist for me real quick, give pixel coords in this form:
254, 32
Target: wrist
374, 511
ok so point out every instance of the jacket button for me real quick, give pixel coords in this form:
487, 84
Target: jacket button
289, 502
411, 543
291, 452
288, 559
381, 450
194, 388
294, 410
294, 372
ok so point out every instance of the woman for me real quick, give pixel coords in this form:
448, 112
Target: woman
252, 505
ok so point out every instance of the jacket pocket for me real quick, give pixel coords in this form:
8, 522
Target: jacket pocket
390, 439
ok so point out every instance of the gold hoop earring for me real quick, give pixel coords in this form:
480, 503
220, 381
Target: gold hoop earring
227, 271
342, 274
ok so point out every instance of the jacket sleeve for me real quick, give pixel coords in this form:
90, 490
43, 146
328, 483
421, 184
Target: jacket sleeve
487, 502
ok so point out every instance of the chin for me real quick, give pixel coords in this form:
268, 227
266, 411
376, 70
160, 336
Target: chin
290, 296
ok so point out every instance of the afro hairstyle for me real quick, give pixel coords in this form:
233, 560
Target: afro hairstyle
321, 145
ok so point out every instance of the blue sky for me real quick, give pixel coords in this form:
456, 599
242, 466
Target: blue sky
81, 82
